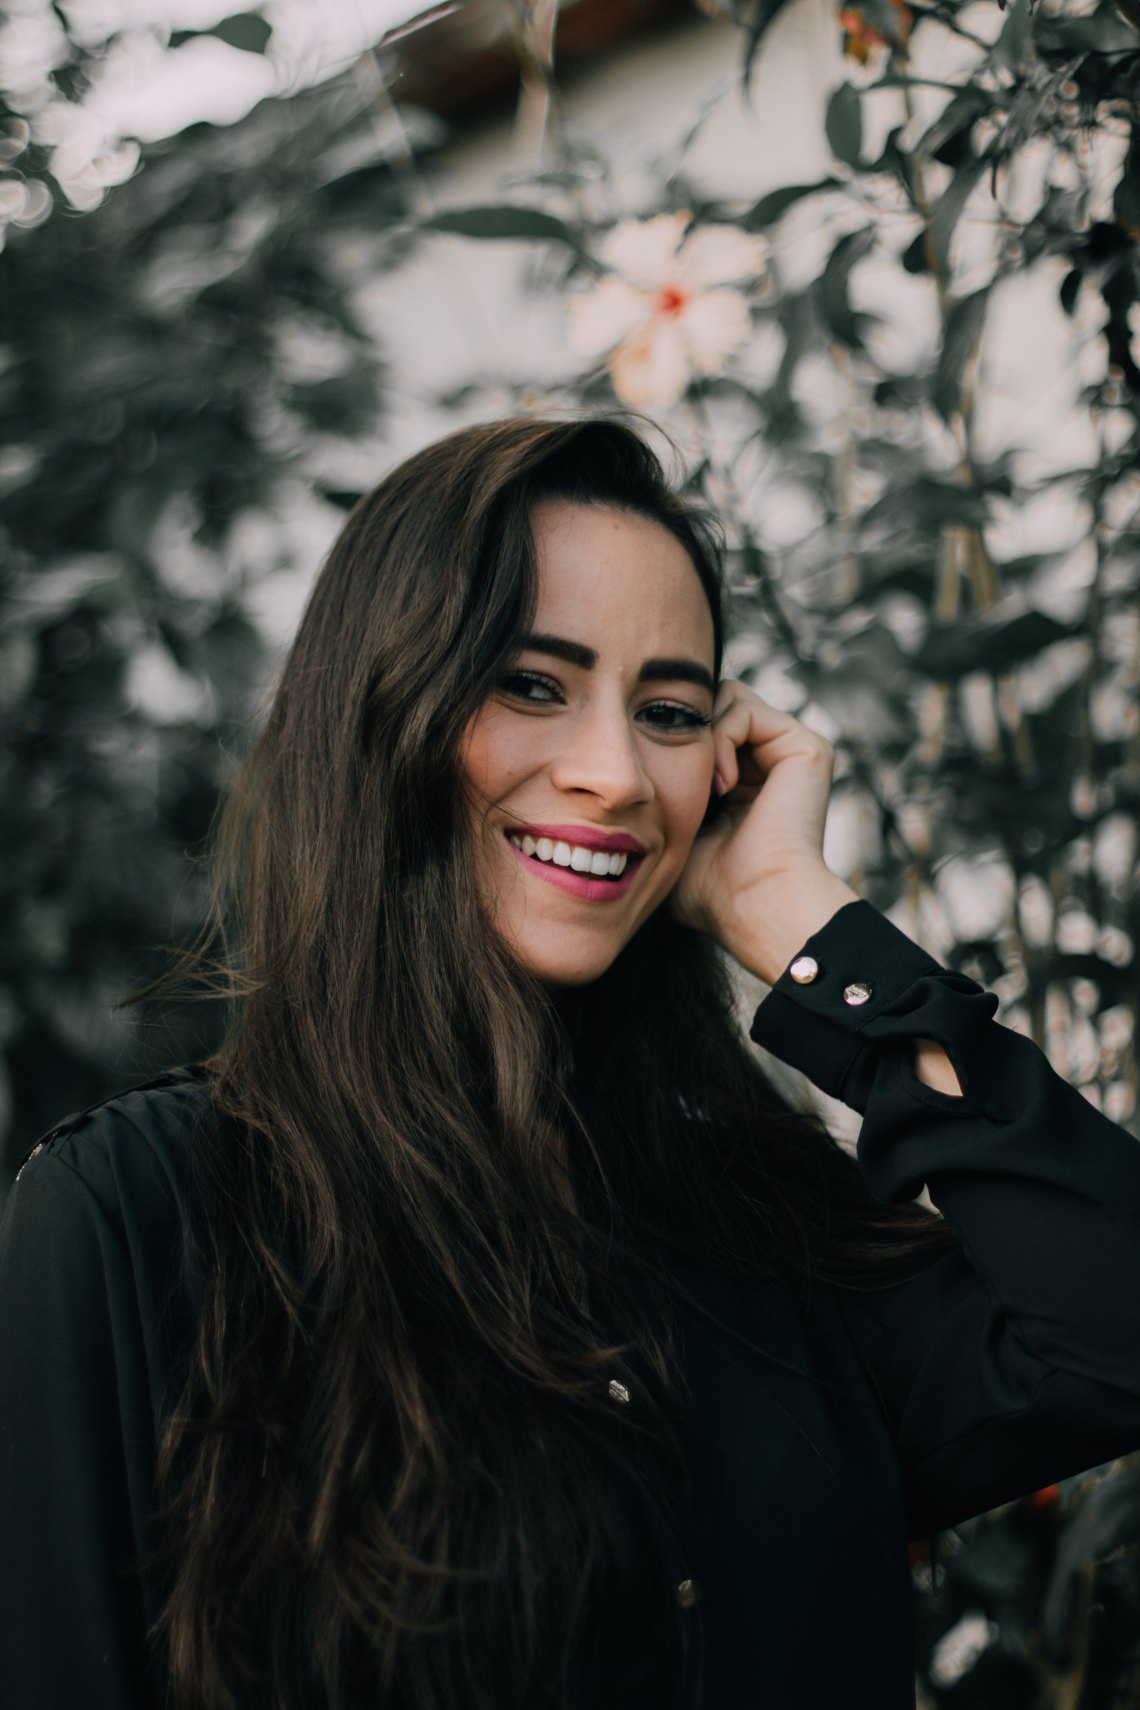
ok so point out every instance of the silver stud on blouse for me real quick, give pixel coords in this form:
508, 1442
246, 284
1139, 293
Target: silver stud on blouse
38, 1147
856, 993
804, 969
618, 1390
687, 1593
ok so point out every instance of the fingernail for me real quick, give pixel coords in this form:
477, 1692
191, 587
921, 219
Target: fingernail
719, 784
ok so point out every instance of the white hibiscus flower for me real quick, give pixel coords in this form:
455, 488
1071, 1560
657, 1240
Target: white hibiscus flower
958, 1650
667, 310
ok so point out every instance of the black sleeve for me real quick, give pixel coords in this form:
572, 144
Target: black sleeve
73, 1444
1016, 1361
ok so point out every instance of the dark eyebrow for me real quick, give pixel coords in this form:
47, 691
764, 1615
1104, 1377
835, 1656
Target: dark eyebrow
652, 670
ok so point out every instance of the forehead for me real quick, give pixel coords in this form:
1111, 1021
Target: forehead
617, 580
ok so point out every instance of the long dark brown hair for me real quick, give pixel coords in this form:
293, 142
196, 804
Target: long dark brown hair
395, 1475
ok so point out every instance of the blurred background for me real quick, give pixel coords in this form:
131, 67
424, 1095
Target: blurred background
874, 270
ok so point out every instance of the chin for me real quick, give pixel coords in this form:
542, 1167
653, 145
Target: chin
568, 974
570, 982
561, 954
567, 963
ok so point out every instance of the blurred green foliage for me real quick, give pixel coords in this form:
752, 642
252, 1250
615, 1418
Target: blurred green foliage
151, 401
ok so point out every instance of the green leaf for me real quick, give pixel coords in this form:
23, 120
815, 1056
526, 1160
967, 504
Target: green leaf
1014, 46
769, 208
1070, 286
1062, 214
1126, 200
844, 124
883, 16
245, 30
1105, 31
953, 650
963, 327
1107, 1518
1116, 985
866, 690
925, 503
18, 660
914, 257
890, 574
764, 15
949, 208
958, 116
344, 498
501, 221
834, 283
899, 163
999, 1562
97, 578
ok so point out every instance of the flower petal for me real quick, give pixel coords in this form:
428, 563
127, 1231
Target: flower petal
644, 251
601, 317
715, 325
651, 369
715, 254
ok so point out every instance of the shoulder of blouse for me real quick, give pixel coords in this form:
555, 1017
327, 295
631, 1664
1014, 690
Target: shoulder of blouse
131, 1149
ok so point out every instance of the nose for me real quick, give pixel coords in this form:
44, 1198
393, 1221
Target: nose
599, 754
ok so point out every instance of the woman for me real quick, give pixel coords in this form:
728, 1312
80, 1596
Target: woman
479, 1326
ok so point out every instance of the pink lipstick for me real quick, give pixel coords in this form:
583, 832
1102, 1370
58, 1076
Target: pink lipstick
580, 884
587, 836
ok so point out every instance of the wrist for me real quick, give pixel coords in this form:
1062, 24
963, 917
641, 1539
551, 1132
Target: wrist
934, 1069
772, 923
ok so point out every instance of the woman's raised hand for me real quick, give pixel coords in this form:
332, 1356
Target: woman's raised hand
756, 880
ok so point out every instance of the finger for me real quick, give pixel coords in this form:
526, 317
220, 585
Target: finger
752, 737
732, 722
795, 798
725, 702
748, 718
742, 721
727, 743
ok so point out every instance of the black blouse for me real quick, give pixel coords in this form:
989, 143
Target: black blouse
998, 1369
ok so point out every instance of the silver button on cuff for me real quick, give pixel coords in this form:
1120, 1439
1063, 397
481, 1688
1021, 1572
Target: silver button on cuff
618, 1390
687, 1593
804, 970
856, 993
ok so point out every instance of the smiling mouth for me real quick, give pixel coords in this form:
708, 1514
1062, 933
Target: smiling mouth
571, 858
576, 881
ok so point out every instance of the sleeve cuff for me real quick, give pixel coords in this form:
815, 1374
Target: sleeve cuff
845, 975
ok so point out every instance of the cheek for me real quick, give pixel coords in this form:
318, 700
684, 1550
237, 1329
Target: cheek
489, 757
474, 756
685, 795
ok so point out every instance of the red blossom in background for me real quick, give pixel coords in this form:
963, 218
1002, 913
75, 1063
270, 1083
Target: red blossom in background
860, 35
1041, 1500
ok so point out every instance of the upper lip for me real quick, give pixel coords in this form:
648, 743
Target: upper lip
587, 836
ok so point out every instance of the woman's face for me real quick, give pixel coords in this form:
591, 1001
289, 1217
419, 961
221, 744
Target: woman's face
593, 737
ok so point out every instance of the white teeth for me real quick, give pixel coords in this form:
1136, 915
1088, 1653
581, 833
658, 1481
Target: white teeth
574, 856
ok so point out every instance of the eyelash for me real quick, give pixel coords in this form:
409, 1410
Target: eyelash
693, 720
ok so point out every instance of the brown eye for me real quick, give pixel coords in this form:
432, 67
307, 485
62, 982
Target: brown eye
690, 719
517, 682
